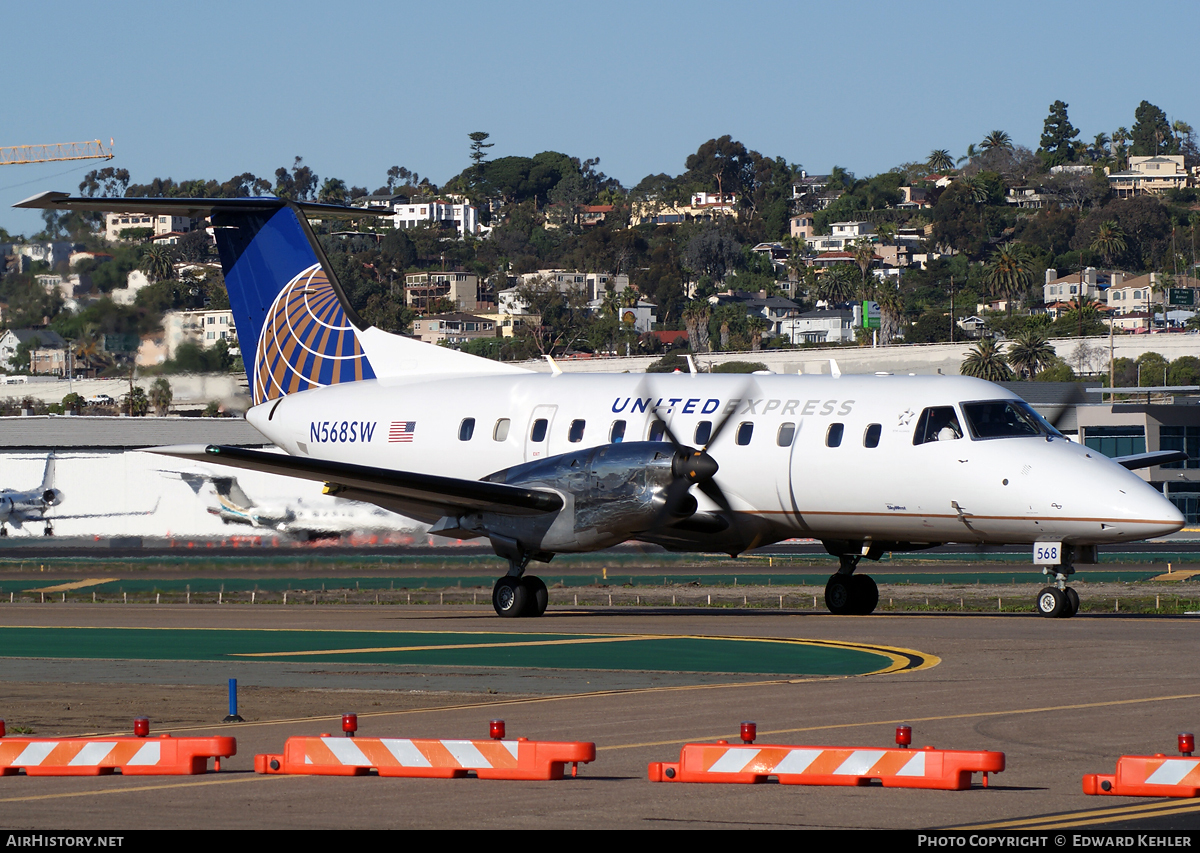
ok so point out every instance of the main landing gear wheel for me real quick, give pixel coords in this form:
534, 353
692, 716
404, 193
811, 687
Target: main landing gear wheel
510, 597
1072, 602
837, 595
49, 531
865, 593
537, 596
851, 595
1051, 602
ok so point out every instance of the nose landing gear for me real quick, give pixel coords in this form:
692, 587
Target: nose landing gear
1061, 601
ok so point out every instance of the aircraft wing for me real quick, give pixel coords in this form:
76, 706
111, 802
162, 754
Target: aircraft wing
422, 496
1145, 460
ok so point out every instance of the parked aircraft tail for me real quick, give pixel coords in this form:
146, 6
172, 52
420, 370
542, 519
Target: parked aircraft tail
48, 475
296, 328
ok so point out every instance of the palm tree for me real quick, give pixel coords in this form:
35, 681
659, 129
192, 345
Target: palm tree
997, 139
1109, 241
986, 361
1030, 353
156, 264
837, 284
161, 396
864, 255
970, 155
891, 312
1008, 275
1082, 309
940, 161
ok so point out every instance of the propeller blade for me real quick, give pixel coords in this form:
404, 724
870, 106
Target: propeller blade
747, 389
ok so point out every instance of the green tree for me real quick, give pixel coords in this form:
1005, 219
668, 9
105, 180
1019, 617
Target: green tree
940, 161
157, 264
1008, 274
1029, 353
479, 147
1057, 145
161, 396
1151, 132
996, 139
986, 361
1109, 241
136, 404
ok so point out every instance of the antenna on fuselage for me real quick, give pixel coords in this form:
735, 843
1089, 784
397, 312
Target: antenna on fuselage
834, 370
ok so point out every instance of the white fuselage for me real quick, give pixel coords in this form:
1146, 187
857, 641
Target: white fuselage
998, 490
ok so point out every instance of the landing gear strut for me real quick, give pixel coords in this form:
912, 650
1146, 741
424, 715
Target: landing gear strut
848, 594
1059, 601
517, 594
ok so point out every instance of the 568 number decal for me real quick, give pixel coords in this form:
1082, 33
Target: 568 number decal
1047, 553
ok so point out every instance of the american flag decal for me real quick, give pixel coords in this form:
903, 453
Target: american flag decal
402, 431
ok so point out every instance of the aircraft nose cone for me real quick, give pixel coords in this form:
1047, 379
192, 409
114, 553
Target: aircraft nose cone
1172, 520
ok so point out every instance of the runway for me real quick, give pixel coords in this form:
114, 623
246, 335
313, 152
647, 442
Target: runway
1059, 698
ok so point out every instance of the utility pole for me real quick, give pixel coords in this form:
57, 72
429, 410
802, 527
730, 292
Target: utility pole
951, 309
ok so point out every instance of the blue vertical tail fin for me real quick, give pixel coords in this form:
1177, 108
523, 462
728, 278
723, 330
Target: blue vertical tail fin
295, 327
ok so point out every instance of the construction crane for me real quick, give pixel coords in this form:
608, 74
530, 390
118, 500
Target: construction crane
18, 154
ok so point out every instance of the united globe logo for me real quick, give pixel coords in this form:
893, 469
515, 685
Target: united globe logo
306, 340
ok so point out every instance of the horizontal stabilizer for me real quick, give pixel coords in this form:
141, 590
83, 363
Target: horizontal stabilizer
193, 207
412, 494
1146, 460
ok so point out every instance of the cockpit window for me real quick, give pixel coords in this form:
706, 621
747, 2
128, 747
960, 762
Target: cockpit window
938, 423
1006, 419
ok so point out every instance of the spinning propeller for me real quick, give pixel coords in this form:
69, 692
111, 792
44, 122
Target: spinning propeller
691, 467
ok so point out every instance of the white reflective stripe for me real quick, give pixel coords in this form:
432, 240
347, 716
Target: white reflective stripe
860, 762
92, 754
346, 751
734, 760
148, 754
512, 746
34, 753
797, 760
466, 754
1172, 771
915, 765
404, 752
307, 760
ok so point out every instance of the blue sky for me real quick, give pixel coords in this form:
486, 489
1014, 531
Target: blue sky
215, 89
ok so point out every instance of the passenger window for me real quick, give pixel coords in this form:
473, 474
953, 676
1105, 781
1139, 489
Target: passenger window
787, 432
938, 423
833, 438
576, 433
500, 433
703, 432
538, 433
617, 434
657, 430
466, 429
744, 433
871, 436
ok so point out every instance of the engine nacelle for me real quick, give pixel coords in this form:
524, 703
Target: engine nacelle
610, 494
52, 497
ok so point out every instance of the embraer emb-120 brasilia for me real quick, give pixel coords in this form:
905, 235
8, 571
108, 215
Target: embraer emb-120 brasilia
541, 464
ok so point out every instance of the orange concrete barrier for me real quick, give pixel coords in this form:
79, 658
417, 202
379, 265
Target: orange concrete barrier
891, 767
132, 756
326, 755
1151, 775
